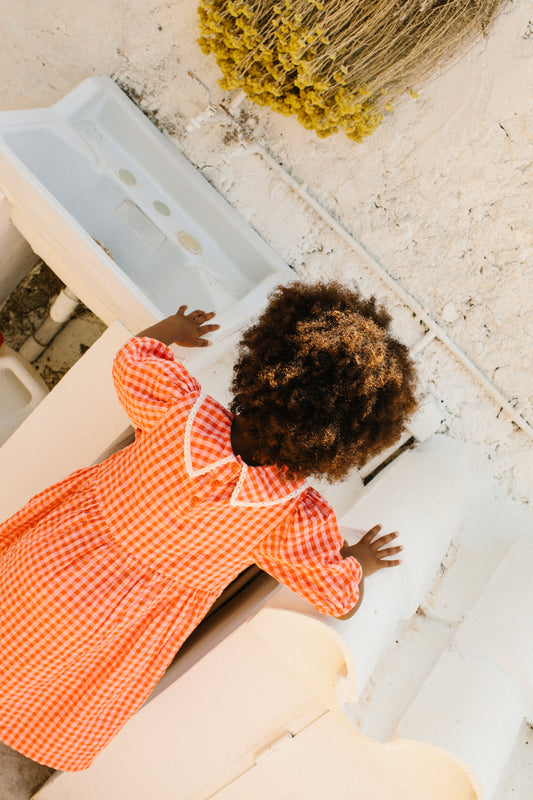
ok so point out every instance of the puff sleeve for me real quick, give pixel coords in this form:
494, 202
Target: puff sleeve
148, 380
304, 554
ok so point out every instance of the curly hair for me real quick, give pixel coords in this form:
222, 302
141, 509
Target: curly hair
320, 382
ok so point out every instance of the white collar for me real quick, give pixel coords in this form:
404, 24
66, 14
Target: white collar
250, 489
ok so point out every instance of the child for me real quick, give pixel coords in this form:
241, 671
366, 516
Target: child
104, 575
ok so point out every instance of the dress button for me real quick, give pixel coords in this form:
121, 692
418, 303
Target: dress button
215, 483
194, 500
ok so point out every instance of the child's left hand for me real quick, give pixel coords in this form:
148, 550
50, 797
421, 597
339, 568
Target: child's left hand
372, 551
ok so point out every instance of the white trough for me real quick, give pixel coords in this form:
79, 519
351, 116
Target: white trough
92, 168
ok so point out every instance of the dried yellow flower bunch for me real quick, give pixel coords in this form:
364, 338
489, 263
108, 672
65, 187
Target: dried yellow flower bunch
336, 64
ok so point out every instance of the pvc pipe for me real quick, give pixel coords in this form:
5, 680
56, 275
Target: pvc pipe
63, 306
60, 312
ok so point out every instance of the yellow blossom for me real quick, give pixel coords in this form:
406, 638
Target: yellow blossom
276, 69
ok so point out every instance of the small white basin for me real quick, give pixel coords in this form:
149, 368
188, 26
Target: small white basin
94, 164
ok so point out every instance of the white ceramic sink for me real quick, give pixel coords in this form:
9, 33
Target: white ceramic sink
92, 167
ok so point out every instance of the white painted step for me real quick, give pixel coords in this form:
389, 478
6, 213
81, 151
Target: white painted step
518, 779
472, 709
499, 629
459, 673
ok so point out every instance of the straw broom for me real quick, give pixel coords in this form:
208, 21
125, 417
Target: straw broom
337, 64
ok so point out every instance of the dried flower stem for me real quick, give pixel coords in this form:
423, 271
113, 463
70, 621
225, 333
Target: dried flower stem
337, 63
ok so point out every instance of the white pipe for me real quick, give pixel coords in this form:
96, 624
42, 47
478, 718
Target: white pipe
60, 312
64, 305
422, 343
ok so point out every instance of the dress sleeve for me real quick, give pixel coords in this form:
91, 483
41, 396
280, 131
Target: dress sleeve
148, 380
304, 553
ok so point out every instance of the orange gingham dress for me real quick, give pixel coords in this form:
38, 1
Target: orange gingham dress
104, 575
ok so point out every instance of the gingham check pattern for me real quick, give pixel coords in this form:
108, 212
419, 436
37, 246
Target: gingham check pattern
105, 574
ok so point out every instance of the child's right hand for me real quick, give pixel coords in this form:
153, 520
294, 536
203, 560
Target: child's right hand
187, 330
371, 551
191, 328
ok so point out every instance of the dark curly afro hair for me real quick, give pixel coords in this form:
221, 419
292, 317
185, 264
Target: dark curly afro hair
320, 382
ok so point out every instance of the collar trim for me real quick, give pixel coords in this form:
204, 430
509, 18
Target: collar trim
194, 473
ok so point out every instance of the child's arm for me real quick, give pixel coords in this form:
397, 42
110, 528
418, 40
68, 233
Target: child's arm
373, 555
148, 379
185, 330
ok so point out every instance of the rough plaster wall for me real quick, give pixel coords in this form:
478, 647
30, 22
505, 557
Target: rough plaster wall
440, 194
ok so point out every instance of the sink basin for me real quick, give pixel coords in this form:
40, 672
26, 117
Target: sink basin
124, 219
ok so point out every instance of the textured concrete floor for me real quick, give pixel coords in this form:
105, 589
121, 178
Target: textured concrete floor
19, 776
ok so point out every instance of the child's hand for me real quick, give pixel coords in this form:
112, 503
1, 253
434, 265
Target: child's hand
186, 330
191, 328
371, 551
